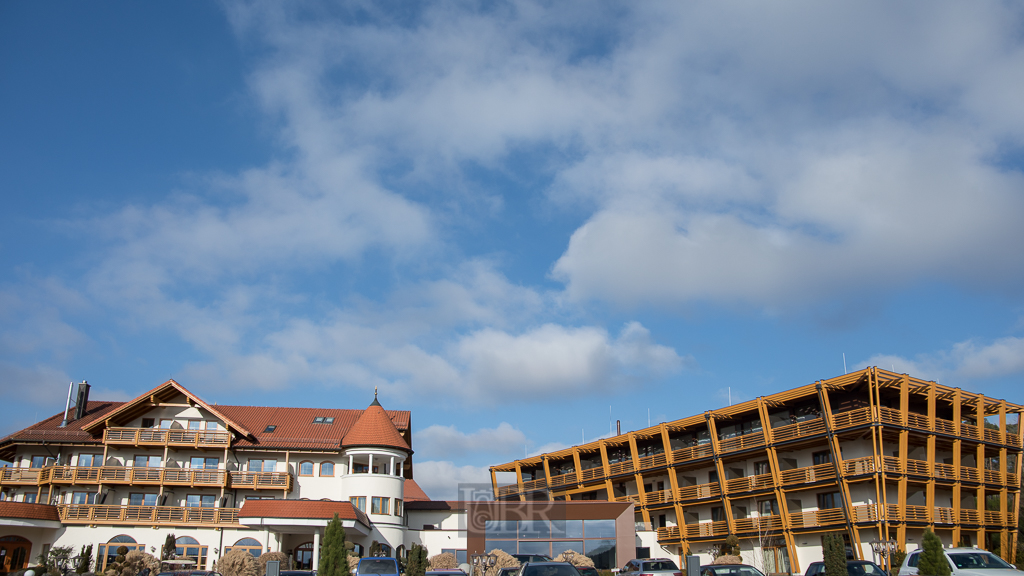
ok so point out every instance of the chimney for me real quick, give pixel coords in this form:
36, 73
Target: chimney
82, 403
618, 427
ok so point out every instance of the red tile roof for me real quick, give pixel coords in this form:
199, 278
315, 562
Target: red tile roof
29, 511
295, 427
413, 492
304, 509
375, 428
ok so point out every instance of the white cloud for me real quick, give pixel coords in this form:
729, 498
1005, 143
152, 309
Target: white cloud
441, 479
440, 441
967, 360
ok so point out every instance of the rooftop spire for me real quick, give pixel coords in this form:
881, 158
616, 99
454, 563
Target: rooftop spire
375, 403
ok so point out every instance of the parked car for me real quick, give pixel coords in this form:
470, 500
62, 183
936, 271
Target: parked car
587, 571
298, 573
531, 558
729, 570
190, 573
508, 571
651, 567
445, 573
853, 568
377, 565
963, 562
548, 569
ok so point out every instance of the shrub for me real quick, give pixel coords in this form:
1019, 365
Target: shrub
576, 559
84, 560
239, 562
503, 560
932, 561
169, 548
353, 563
268, 556
416, 564
334, 554
443, 561
896, 560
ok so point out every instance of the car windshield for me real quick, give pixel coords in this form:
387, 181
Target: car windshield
978, 561
660, 565
733, 571
863, 569
550, 570
382, 566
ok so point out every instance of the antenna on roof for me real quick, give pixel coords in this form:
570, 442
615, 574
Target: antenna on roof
844, 363
374, 392
67, 407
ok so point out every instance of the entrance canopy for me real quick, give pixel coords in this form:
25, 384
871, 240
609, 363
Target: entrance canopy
301, 516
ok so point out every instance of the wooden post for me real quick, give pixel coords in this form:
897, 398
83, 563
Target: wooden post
547, 477
722, 485
837, 465
519, 481
639, 479
579, 467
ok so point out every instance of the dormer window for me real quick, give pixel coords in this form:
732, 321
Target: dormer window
270, 428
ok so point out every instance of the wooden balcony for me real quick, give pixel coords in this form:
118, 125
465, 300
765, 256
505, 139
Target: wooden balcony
658, 498
865, 513
261, 480
707, 529
562, 480
913, 513
749, 484
852, 418
944, 515
700, 492
759, 524
816, 518
20, 476
147, 515
537, 484
591, 474
945, 427
970, 431
165, 437
143, 476
945, 472
508, 490
918, 468
744, 442
619, 468
799, 430
653, 461
808, 474
859, 466
969, 474
692, 453
892, 464
970, 516
668, 534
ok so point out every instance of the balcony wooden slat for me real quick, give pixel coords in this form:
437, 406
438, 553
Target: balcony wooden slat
917, 467
798, 430
743, 442
851, 418
750, 483
969, 474
20, 476
700, 491
174, 515
692, 452
816, 518
653, 461
808, 474
944, 515
858, 466
166, 437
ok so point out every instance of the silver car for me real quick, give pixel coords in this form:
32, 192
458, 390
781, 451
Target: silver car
964, 562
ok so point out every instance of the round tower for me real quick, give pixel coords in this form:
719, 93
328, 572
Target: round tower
374, 456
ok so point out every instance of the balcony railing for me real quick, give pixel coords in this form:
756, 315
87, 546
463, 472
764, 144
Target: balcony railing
589, 474
562, 479
749, 484
692, 452
799, 430
668, 533
945, 472
759, 524
508, 490
166, 437
618, 468
918, 468
707, 529
858, 466
658, 498
19, 476
653, 461
815, 518
809, 474
700, 491
173, 515
537, 484
741, 442
851, 418
892, 464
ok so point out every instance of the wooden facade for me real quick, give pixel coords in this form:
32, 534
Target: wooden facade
888, 453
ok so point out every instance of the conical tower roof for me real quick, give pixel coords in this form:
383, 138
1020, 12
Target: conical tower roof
375, 428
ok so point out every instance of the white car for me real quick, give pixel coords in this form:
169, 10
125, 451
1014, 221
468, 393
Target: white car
964, 562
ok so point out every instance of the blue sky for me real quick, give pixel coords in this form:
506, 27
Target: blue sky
519, 220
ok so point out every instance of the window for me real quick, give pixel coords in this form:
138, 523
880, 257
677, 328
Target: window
306, 468
137, 499
147, 461
358, 502
250, 545
200, 501
829, 500
398, 506
262, 465
166, 424
148, 422
30, 497
822, 457
761, 468
188, 547
270, 428
42, 461
90, 460
327, 468
204, 463
379, 505
717, 513
83, 498
108, 552
767, 507
195, 424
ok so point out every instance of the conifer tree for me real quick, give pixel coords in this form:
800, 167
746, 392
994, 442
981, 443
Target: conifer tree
417, 563
932, 561
835, 555
333, 555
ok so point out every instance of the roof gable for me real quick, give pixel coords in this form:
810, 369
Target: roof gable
145, 402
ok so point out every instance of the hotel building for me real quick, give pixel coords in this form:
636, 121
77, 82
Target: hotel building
872, 455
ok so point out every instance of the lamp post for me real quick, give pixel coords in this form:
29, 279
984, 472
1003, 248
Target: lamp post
883, 549
483, 562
